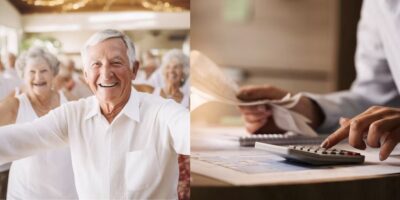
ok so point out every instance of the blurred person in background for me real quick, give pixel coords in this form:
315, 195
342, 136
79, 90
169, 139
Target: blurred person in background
10, 71
47, 175
7, 83
175, 72
70, 81
1, 67
157, 78
148, 66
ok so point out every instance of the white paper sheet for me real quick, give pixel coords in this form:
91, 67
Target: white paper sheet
248, 166
210, 84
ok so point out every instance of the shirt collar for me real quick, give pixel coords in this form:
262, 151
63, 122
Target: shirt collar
131, 108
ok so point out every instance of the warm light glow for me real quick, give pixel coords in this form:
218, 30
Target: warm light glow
114, 17
154, 5
157, 5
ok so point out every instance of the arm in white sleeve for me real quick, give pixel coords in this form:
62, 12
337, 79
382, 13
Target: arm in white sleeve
22, 140
374, 84
178, 127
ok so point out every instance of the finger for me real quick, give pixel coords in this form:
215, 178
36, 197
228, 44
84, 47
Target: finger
334, 138
378, 128
343, 132
360, 125
253, 127
344, 121
256, 117
389, 144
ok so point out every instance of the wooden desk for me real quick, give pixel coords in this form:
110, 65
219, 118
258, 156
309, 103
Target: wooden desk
377, 188
373, 187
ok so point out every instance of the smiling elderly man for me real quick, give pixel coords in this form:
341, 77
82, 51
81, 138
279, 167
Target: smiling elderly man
124, 144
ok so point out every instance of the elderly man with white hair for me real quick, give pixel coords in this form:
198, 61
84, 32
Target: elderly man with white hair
124, 144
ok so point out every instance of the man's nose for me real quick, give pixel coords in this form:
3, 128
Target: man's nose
106, 71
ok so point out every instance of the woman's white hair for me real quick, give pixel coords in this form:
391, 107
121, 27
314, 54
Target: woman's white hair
180, 57
104, 35
34, 53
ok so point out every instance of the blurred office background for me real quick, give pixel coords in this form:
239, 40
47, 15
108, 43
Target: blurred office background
298, 45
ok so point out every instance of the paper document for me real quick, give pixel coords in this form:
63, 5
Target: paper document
230, 163
210, 84
252, 167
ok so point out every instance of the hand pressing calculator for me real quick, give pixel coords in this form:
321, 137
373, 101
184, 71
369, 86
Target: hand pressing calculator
313, 155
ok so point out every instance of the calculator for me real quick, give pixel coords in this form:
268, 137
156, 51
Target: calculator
313, 155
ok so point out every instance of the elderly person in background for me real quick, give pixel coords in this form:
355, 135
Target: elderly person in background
1, 67
124, 144
7, 84
175, 70
10, 71
37, 177
148, 66
71, 82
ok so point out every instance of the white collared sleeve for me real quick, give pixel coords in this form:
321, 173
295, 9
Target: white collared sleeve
22, 140
374, 84
178, 123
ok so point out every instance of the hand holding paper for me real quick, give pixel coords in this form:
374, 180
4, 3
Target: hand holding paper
210, 84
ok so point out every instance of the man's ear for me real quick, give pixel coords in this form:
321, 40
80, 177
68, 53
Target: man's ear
86, 76
135, 69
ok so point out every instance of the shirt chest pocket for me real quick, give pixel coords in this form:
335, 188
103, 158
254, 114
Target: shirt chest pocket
141, 169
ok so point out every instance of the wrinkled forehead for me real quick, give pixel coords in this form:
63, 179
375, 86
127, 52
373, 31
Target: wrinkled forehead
113, 47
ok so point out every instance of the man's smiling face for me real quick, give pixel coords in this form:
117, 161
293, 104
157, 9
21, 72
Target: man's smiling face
108, 73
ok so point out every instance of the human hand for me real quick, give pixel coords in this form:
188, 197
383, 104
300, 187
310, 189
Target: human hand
258, 119
381, 125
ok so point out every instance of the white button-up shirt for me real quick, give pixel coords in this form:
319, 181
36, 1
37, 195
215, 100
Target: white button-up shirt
134, 157
377, 62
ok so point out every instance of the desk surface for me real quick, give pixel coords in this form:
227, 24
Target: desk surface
379, 186
384, 187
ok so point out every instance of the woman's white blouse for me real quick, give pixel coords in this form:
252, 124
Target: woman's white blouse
47, 175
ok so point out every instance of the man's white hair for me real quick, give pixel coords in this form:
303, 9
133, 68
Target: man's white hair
104, 35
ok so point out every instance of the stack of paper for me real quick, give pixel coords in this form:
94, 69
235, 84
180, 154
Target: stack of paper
210, 84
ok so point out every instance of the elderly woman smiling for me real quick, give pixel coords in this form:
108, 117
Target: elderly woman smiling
175, 71
37, 177
124, 144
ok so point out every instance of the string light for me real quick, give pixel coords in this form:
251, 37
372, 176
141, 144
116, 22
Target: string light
154, 5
